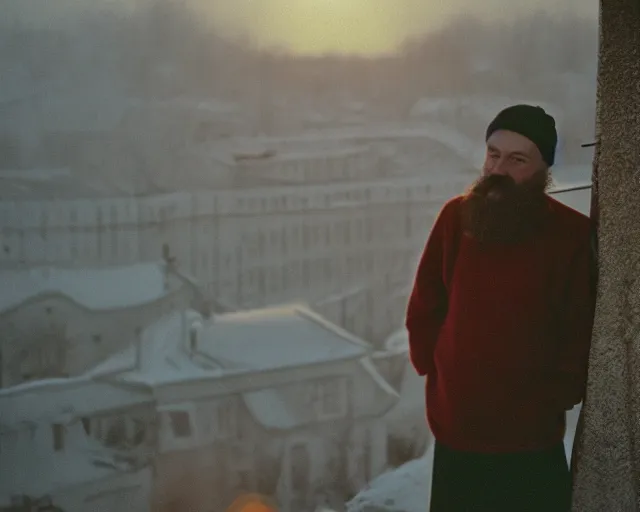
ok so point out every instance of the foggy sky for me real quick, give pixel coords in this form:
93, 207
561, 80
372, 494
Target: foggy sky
317, 26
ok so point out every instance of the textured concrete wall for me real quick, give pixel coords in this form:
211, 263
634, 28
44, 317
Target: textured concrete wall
607, 463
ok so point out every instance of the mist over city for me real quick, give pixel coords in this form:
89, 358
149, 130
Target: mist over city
211, 217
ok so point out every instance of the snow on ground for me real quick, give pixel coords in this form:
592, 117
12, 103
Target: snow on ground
408, 488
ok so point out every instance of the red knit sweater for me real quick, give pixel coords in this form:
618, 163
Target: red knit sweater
503, 333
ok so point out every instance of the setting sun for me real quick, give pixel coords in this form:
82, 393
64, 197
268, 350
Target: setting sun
324, 26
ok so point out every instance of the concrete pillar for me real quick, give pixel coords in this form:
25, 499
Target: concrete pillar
607, 448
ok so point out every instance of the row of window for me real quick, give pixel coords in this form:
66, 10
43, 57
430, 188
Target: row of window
113, 218
165, 214
302, 274
339, 166
329, 399
307, 237
221, 420
115, 244
286, 202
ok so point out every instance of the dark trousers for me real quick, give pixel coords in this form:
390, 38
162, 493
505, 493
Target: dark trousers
513, 482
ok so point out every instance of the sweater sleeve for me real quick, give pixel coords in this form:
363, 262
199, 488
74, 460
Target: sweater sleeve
573, 361
427, 306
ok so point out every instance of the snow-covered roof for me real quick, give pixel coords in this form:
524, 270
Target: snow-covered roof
279, 337
60, 400
482, 105
77, 112
54, 184
163, 358
318, 153
397, 341
99, 288
187, 104
266, 339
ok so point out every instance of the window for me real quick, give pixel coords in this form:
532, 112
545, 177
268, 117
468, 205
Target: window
245, 481
193, 339
58, 437
225, 420
359, 228
8, 440
300, 469
261, 281
44, 360
180, 424
330, 400
347, 232
408, 227
326, 269
261, 243
73, 250
43, 226
368, 230
113, 221
295, 274
305, 273
139, 431
100, 229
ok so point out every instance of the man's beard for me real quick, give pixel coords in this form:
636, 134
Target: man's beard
497, 210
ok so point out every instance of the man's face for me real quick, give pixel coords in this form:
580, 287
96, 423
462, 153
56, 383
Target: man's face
507, 203
511, 154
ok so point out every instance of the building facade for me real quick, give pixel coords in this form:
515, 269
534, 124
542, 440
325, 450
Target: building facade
249, 247
277, 401
60, 322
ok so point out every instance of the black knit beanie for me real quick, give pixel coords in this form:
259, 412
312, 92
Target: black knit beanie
531, 122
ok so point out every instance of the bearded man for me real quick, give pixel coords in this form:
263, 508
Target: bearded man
500, 322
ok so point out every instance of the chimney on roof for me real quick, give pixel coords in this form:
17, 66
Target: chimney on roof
170, 266
194, 332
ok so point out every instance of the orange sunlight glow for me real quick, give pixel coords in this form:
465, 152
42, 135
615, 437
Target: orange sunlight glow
250, 503
313, 27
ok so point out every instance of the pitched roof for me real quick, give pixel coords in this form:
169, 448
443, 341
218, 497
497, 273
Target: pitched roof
98, 289
249, 341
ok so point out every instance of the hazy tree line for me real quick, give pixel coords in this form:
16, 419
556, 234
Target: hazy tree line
164, 48
163, 39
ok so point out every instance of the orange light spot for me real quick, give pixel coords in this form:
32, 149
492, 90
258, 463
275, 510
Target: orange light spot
256, 507
250, 504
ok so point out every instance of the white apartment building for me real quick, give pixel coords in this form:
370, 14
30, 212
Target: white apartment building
348, 246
